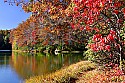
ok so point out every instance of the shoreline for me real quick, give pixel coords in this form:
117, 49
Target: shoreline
67, 74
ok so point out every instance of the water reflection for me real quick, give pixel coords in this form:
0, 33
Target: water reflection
7, 74
25, 65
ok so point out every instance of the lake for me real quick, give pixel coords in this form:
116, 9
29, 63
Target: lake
15, 67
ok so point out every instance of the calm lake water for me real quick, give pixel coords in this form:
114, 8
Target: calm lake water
15, 67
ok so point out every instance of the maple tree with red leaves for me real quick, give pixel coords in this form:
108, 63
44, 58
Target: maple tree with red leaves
105, 15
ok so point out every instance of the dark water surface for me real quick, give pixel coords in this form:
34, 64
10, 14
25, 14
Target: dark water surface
15, 67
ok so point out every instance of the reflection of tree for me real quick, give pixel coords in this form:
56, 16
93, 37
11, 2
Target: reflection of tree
4, 58
27, 66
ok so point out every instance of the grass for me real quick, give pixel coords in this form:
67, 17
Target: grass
65, 75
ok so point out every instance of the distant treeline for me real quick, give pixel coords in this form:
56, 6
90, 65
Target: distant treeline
4, 40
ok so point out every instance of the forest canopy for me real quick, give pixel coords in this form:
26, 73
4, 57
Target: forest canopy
93, 25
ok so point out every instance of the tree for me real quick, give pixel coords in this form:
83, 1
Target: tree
49, 20
102, 21
4, 40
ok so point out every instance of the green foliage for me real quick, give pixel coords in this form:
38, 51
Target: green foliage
4, 40
122, 34
90, 55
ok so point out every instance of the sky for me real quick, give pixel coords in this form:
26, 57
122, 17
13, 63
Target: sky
11, 16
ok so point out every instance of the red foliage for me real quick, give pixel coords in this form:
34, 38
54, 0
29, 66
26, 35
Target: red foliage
110, 37
107, 47
97, 37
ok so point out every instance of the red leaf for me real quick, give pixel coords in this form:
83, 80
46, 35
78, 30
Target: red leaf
107, 47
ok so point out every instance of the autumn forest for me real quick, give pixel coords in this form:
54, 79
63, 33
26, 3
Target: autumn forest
95, 28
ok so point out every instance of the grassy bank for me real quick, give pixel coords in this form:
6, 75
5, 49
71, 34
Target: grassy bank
68, 74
